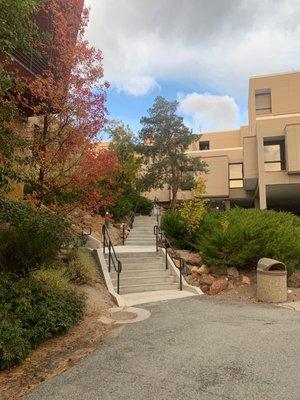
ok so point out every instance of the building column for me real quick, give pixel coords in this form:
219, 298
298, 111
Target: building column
227, 204
256, 203
261, 172
262, 197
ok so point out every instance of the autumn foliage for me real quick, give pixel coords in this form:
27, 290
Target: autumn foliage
60, 166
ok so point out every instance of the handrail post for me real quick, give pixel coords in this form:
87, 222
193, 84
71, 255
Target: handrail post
166, 248
109, 256
155, 231
118, 276
123, 233
103, 232
180, 272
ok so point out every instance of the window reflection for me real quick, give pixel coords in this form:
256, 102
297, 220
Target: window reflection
274, 155
236, 176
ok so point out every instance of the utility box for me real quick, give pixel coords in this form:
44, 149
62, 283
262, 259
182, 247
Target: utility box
271, 281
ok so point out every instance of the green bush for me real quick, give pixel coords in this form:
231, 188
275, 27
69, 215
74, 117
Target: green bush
143, 205
31, 310
55, 278
81, 268
175, 229
30, 237
131, 201
122, 207
240, 237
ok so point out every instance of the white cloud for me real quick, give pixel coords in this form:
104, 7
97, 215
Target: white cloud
210, 112
139, 85
217, 44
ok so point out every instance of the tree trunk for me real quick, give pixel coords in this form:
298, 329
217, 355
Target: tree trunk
175, 186
42, 151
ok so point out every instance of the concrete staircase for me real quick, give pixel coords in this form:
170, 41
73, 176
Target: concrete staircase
142, 232
143, 271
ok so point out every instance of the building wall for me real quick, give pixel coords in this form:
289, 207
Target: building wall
246, 145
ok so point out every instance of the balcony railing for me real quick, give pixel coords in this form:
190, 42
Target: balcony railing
31, 62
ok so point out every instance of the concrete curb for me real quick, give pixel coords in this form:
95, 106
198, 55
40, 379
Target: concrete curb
99, 257
175, 272
93, 243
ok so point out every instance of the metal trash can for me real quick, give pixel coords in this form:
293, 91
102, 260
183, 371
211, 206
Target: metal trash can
271, 281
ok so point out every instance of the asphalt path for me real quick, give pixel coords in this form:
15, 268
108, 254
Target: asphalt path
191, 348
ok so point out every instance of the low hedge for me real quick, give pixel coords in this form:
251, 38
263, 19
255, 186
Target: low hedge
32, 310
240, 237
132, 201
30, 237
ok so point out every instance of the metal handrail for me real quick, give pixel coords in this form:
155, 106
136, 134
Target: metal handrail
112, 257
131, 221
163, 241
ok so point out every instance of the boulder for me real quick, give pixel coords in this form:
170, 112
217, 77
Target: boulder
193, 279
294, 280
203, 269
230, 285
233, 272
206, 279
219, 270
245, 280
204, 288
194, 270
190, 257
218, 285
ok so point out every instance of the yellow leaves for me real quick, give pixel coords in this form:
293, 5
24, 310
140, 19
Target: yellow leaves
225, 224
193, 211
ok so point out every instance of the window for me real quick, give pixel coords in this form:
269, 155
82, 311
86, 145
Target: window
274, 155
236, 175
204, 145
263, 101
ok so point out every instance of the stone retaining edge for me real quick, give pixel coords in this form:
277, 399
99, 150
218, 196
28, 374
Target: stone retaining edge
175, 272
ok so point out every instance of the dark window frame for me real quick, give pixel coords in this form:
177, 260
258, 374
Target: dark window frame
204, 143
236, 179
282, 161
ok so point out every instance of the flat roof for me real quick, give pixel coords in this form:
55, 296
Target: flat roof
275, 74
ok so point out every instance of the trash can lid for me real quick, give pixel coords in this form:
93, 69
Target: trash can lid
268, 264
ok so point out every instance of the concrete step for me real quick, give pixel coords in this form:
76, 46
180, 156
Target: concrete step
142, 260
142, 254
142, 266
134, 242
147, 288
146, 280
149, 239
144, 232
141, 273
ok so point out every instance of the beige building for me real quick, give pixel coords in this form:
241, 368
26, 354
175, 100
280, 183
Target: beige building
257, 165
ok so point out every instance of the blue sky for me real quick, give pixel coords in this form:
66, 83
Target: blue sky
199, 52
129, 108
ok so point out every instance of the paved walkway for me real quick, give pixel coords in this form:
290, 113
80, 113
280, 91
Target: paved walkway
191, 348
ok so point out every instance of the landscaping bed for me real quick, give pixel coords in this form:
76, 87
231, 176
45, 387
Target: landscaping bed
229, 282
59, 353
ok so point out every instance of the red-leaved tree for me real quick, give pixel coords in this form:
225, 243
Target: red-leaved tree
68, 100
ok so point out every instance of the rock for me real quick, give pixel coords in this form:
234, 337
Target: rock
204, 288
218, 285
294, 280
203, 269
217, 271
194, 270
232, 271
230, 285
206, 279
245, 280
193, 279
190, 257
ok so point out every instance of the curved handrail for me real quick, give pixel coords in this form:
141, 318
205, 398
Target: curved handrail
163, 241
112, 257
